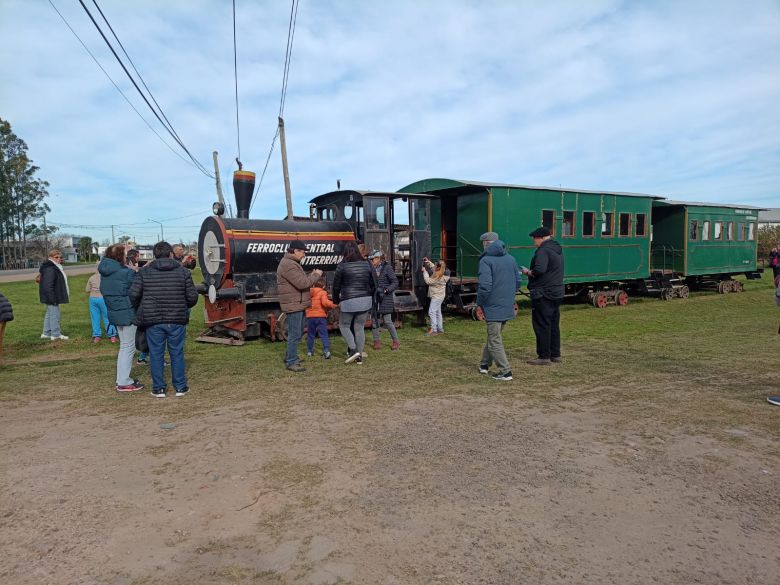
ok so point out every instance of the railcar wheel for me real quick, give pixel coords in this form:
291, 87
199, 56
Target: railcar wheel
684, 292
622, 298
281, 327
737, 286
600, 300
667, 294
724, 287
477, 314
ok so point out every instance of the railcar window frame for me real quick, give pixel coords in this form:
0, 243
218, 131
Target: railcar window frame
608, 225
728, 231
705, 231
751, 231
551, 224
693, 230
590, 224
717, 230
624, 233
571, 216
643, 223
741, 231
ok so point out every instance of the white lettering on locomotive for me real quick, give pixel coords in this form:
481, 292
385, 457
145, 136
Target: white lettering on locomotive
318, 253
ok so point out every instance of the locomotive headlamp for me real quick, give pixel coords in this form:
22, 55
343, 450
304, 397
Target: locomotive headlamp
218, 208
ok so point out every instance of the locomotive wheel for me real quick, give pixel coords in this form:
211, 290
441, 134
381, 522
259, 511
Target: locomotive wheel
281, 327
622, 298
477, 314
667, 294
684, 292
600, 300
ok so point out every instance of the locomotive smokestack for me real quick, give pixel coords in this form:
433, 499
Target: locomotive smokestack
243, 187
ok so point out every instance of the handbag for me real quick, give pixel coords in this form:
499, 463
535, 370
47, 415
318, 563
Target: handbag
140, 340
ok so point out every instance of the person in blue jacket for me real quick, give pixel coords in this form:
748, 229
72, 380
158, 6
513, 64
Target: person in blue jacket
499, 279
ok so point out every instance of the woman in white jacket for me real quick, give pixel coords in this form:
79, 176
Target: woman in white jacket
437, 290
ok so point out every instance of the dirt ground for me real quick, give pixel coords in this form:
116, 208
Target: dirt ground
451, 490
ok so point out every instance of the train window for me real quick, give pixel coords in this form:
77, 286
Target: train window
728, 230
641, 225
328, 213
693, 231
548, 220
348, 211
376, 213
741, 232
717, 233
624, 225
588, 224
751, 232
607, 225
568, 224
705, 231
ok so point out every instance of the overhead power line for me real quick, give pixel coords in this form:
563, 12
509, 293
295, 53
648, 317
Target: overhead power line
283, 97
167, 126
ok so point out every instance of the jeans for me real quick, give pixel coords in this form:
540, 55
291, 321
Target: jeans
317, 326
294, 323
494, 348
51, 322
434, 312
157, 336
98, 311
352, 329
387, 319
124, 359
546, 320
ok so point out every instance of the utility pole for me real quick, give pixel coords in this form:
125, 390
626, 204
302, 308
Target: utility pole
112, 235
219, 184
45, 233
287, 192
162, 231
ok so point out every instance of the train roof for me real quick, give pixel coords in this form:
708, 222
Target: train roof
671, 203
458, 183
354, 194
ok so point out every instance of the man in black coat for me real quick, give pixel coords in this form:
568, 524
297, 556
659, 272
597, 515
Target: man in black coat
53, 292
162, 294
545, 283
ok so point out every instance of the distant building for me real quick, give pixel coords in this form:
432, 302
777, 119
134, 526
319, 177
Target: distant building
769, 217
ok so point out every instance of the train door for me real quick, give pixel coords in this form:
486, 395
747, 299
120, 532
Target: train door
376, 234
419, 237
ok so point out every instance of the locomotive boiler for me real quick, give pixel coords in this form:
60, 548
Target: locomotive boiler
238, 258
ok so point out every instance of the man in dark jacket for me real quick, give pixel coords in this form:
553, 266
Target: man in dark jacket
162, 294
294, 289
499, 279
53, 292
545, 283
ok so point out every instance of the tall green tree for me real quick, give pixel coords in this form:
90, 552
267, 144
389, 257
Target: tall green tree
22, 199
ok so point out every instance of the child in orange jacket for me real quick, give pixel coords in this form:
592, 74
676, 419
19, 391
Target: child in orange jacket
317, 319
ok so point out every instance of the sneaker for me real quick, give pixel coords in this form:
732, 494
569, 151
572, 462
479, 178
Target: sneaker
183, 391
538, 362
353, 355
483, 369
97, 339
506, 376
364, 354
440, 332
44, 336
326, 355
309, 354
396, 345
159, 393
59, 337
377, 345
430, 333
773, 400
132, 387
296, 368
141, 362
113, 339
556, 360
359, 360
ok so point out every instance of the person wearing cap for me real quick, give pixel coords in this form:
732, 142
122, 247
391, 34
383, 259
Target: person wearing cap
387, 283
499, 279
545, 284
294, 287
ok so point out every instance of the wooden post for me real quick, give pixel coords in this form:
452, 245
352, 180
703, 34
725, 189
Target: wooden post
2, 334
216, 177
287, 191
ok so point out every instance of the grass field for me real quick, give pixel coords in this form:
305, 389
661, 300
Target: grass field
649, 455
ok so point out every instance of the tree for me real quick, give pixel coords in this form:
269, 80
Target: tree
768, 238
84, 250
22, 197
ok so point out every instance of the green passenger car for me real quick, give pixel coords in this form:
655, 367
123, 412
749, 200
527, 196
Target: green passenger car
605, 235
705, 243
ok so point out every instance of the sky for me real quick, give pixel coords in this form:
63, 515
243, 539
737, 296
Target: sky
678, 99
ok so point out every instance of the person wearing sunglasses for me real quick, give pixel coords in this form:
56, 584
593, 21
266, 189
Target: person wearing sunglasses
53, 292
